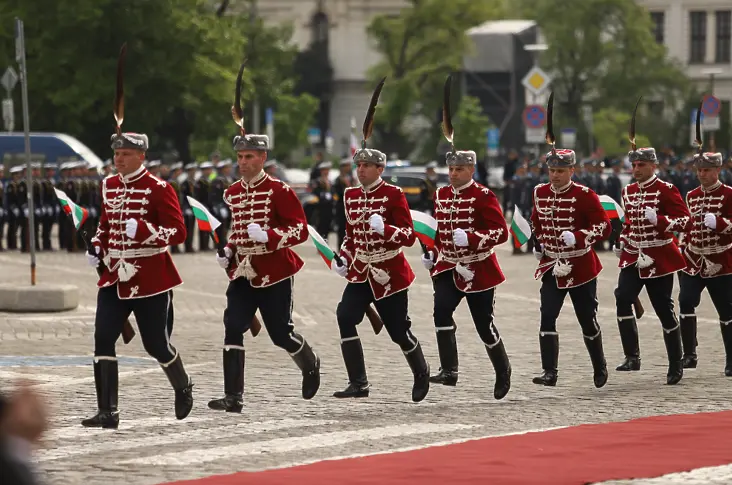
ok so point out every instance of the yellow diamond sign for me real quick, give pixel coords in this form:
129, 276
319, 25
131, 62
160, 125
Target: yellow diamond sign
536, 81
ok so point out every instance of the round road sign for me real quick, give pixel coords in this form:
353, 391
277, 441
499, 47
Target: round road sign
711, 106
534, 116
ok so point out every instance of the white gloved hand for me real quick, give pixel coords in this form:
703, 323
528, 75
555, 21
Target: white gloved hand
93, 259
651, 215
131, 228
427, 260
224, 262
339, 266
618, 249
710, 220
377, 223
460, 237
540, 253
256, 233
568, 238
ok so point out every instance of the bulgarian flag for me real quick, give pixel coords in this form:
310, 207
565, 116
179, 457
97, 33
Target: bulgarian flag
323, 249
520, 228
205, 220
78, 214
613, 209
354, 139
426, 228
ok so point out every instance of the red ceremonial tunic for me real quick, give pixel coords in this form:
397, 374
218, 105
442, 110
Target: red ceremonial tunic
652, 247
708, 252
576, 209
273, 205
370, 256
474, 209
141, 266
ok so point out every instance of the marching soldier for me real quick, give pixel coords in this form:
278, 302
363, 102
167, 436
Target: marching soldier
140, 218
567, 220
649, 257
341, 183
708, 255
201, 189
175, 170
188, 188
216, 197
268, 220
51, 207
379, 225
463, 264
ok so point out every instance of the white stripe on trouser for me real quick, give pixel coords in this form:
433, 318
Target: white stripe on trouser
544, 334
412, 341
687, 315
301, 344
234, 347
669, 330
348, 339
594, 336
494, 332
171, 360
165, 329
444, 329
104, 357
631, 317
292, 308
725, 323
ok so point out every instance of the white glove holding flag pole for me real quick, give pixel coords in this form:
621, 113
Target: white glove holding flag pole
568, 238
256, 232
540, 253
224, 262
93, 259
377, 223
710, 220
339, 266
427, 260
131, 228
618, 249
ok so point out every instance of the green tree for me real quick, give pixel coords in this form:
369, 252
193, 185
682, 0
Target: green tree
470, 126
419, 48
611, 132
602, 53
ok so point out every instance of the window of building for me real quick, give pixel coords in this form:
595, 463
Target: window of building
658, 20
698, 37
724, 36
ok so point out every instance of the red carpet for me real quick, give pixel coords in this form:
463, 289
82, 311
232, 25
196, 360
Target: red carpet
641, 448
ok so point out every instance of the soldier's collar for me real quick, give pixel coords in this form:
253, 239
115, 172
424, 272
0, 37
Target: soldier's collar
255, 180
648, 182
562, 189
712, 187
136, 175
457, 190
374, 185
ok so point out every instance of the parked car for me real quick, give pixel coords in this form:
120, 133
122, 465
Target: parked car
411, 179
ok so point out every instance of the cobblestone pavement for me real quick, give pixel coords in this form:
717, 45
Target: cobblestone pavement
279, 428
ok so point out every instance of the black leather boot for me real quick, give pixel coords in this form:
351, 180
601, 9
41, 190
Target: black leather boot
233, 401
672, 340
447, 348
358, 384
502, 367
309, 365
727, 339
421, 370
106, 381
182, 386
549, 347
688, 339
597, 357
631, 348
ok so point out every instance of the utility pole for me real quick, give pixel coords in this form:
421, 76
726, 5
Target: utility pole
255, 101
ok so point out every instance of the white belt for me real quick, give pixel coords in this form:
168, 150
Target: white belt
567, 254
470, 258
251, 251
709, 249
377, 257
136, 253
656, 243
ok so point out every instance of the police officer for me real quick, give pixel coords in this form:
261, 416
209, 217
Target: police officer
188, 188
344, 180
216, 197
51, 207
428, 189
321, 187
35, 192
201, 189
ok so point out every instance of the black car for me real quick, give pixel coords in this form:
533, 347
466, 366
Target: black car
410, 180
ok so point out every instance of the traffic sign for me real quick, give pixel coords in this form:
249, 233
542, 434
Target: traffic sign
568, 138
536, 81
535, 135
534, 116
711, 105
493, 136
9, 79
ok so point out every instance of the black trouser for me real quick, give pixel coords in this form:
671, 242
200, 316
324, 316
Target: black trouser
393, 310
659, 292
48, 222
613, 239
720, 291
154, 316
190, 222
25, 236
13, 232
2, 226
584, 300
447, 299
325, 218
274, 303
